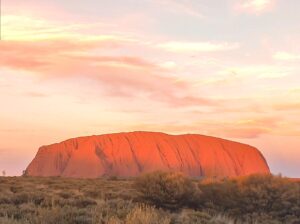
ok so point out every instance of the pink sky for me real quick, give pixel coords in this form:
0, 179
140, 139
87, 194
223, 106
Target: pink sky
225, 68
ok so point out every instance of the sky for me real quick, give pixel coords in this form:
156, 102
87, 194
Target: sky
225, 68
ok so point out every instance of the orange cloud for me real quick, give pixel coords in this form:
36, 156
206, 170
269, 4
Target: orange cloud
118, 61
245, 128
32, 56
251, 128
35, 94
119, 76
287, 106
242, 132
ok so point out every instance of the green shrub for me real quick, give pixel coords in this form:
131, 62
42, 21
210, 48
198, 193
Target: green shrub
259, 198
168, 190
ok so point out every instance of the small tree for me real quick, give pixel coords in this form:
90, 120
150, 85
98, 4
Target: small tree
3, 173
24, 173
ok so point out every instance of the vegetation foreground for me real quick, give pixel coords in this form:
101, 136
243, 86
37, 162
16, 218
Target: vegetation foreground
164, 198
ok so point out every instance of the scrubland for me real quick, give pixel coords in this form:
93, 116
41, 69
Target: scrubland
159, 197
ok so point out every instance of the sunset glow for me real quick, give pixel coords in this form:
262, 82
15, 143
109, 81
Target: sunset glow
225, 68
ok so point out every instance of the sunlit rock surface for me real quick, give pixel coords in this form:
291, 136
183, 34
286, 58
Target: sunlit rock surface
130, 154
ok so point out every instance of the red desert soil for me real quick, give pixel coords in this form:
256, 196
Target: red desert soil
133, 153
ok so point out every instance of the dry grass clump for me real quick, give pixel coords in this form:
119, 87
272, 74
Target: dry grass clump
144, 214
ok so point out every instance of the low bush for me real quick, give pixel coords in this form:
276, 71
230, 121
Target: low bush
261, 198
167, 190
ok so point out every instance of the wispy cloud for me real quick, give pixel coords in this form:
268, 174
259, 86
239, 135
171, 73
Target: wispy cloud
255, 6
255, 71
27, 28
81, 56
36, 94
175, 46
53, 55
287, 106
182, 7
243, 129
286, 56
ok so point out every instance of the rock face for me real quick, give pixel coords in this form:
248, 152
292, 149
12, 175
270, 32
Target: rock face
130, 154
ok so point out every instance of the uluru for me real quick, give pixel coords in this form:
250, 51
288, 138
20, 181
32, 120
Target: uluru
133, 153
